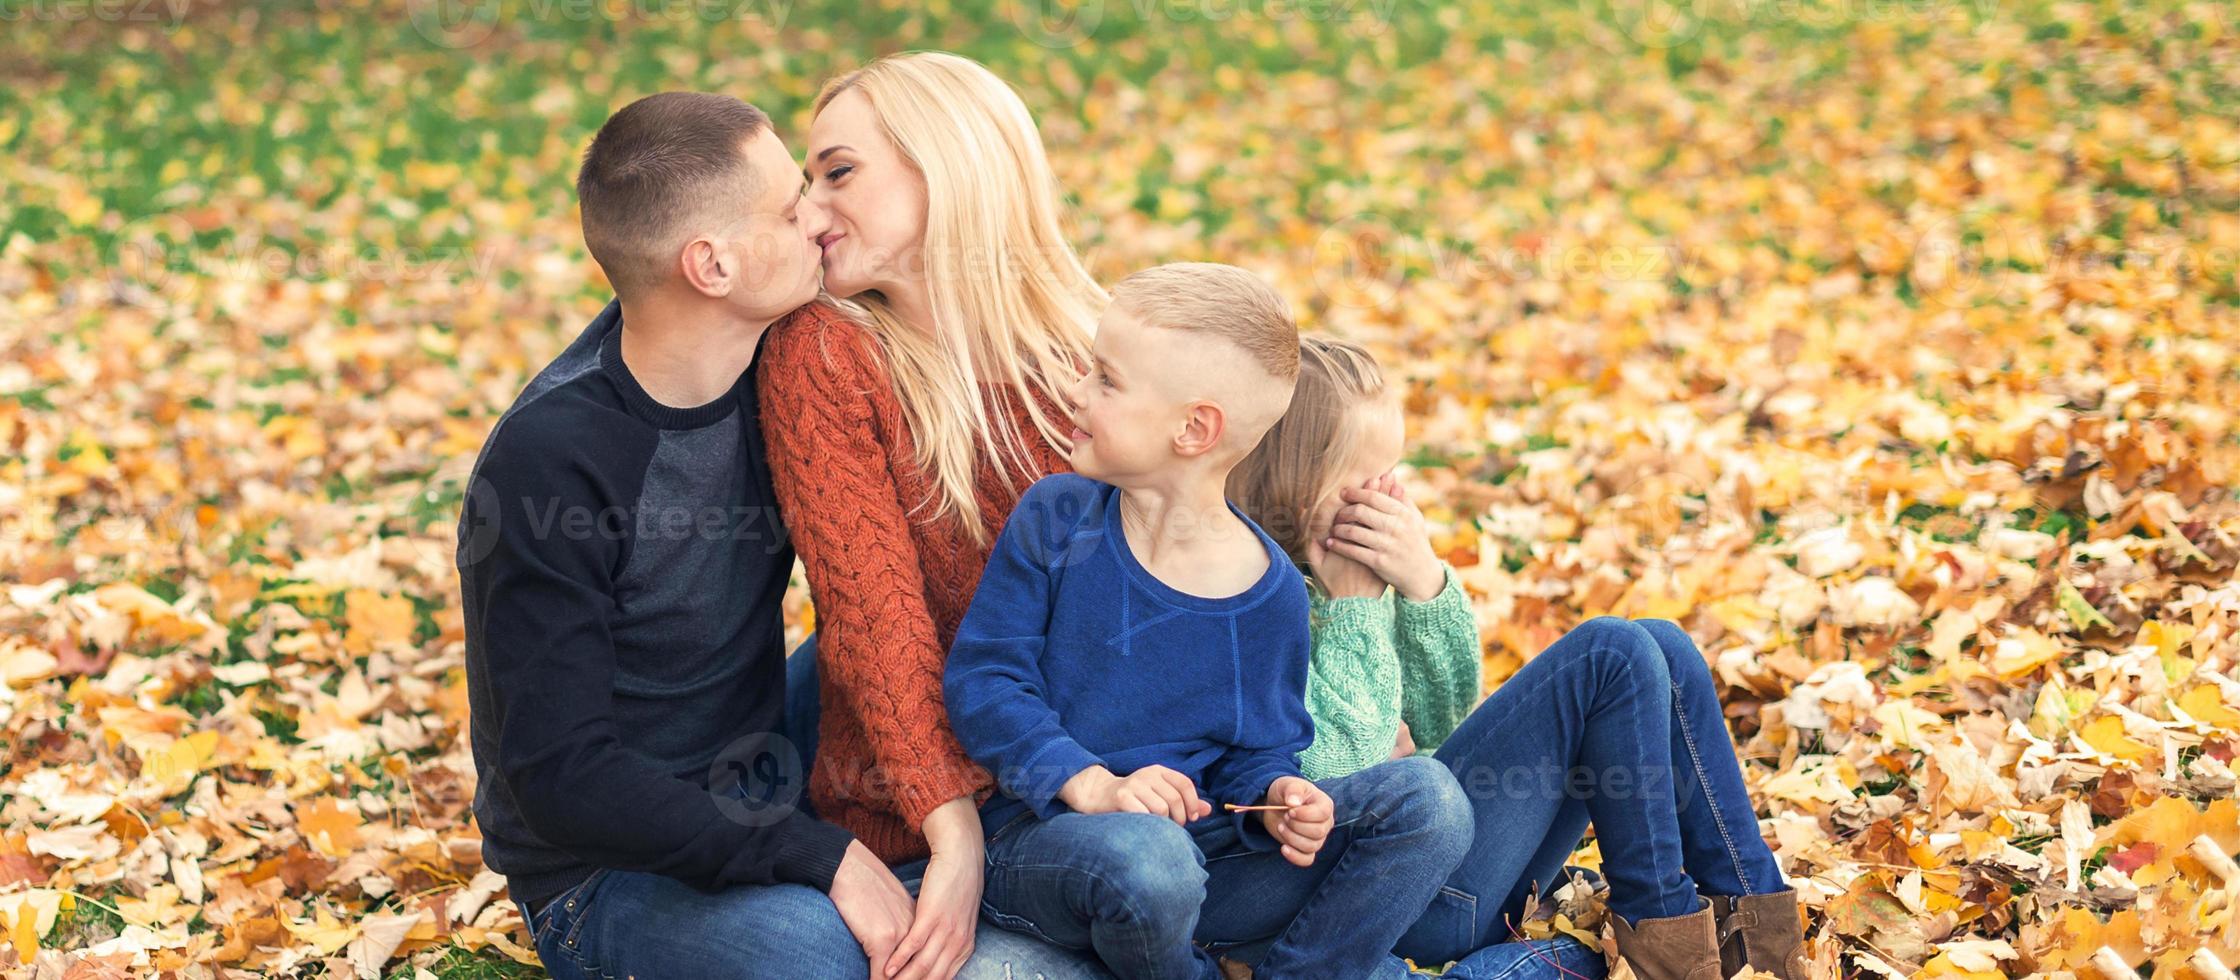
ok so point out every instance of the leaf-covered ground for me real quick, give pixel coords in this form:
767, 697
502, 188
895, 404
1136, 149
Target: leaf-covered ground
1893, 348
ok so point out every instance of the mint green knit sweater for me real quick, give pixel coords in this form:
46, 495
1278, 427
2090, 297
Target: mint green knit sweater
1379, 661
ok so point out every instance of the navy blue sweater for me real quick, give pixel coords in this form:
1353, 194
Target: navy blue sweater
1073, 655
623, 564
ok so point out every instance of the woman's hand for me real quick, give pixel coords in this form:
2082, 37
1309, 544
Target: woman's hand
1405, 745
1380, 529
948, 908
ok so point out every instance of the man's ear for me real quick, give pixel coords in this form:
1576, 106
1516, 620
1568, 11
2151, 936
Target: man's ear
1203, 424
709, 266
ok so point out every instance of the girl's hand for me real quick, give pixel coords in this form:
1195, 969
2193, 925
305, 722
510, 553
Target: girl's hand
1405, 745
1340, 576
941, 932
1380, 529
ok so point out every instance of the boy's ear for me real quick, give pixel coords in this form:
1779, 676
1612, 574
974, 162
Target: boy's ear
1203, 424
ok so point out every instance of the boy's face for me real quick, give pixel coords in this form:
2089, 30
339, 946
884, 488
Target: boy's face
1125, 412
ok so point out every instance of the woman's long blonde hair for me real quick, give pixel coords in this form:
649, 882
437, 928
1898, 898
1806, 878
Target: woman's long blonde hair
1300, 462
1012, 304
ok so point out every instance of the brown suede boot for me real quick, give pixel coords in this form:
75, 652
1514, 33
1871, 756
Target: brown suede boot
1763, 932
1683, 947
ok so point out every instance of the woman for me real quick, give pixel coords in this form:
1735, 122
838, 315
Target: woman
914, 412
910, 416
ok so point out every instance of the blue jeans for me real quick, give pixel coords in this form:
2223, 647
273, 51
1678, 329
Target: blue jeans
1618, 722
1492, 960
997, 954
804, 707
632, 923
1138, 889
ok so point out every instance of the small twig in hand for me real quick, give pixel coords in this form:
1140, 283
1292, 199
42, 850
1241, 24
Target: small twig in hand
1241, 808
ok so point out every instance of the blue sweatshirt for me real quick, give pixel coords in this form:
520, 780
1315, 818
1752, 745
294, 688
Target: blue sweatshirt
1073, 655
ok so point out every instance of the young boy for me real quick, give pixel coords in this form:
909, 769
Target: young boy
1133, 670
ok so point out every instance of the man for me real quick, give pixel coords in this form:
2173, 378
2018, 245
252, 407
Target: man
623, 565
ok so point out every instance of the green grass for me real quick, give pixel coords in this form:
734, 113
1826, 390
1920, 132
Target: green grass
458, 964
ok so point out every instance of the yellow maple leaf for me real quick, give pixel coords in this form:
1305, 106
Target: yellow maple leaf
2206, 704
2022, 652
372, 619
324, 932
175, 765
23, 932
330, 829
299, 437
1941, 965
2106, 735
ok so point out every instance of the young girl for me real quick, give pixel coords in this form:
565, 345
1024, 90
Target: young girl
1618, 722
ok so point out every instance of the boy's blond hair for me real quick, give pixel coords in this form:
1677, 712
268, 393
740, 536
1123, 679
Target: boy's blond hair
1227, 303
1298, 464
1217, 300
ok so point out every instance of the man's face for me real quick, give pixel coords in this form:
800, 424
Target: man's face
776, 242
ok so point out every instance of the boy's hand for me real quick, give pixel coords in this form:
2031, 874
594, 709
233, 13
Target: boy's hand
1379, 528
1151, 789
1301, 829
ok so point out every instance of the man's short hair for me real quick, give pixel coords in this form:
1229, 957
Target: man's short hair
1223, 301
651, 169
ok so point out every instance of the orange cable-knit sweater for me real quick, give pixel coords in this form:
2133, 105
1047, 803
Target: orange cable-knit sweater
889, 586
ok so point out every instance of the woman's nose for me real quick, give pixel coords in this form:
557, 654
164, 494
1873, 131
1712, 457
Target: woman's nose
815, 220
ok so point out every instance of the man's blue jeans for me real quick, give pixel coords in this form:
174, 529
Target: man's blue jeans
629, 923
1138, 888
1619, 723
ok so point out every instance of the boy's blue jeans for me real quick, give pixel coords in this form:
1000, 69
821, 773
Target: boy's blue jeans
1499, 959
1619, 723
1138, 889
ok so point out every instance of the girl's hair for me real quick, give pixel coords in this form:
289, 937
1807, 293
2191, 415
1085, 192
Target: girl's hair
1012, 304
1299, 463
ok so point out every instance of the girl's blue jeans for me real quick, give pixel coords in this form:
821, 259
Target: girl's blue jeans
1617, 724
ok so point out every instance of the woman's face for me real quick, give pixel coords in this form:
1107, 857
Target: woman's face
1381, 436
876, 199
